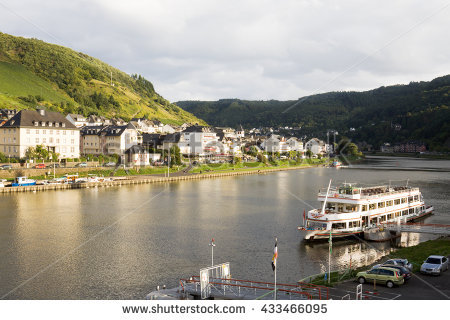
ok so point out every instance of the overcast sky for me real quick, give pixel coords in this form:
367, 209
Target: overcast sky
248, 49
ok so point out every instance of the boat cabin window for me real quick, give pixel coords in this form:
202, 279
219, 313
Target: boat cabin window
416, 198
381, 204
354, 224
398, 214
372, 206
389, 203
411, 211
389, 216
410, 199
404, 212
351, 208
382, 218
348, 190
397, 201
364, 207
403, 200
330, 206
338, 225
374, 221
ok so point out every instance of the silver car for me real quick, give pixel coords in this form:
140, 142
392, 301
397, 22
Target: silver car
434, 265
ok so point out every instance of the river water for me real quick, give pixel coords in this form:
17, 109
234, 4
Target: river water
121, 242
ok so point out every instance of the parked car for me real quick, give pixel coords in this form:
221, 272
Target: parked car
397, 262
434, 265
40, 166
384, 275
110, 164
6, 167
404, 272
54, 165
81, 165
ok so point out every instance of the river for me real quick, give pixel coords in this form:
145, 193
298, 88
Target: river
121, 242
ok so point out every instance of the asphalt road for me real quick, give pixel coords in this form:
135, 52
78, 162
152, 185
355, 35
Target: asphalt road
419, 287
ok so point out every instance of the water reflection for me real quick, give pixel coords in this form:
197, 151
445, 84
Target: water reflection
120, 243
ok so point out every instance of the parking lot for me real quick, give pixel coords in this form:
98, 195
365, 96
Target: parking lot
419, 287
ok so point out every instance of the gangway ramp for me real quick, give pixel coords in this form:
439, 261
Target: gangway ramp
236, 289
440, 229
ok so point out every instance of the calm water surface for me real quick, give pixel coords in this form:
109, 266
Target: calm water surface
120, 243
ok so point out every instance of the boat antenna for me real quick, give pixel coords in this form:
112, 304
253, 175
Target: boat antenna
407, 180
326, 198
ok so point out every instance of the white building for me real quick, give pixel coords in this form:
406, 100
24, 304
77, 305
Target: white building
200, 141
77, 120
30, 128
109, 139
316, 146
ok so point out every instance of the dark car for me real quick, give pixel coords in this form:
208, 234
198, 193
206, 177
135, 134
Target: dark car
54, 165
404, 272
6, 167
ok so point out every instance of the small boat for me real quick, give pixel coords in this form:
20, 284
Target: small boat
336, 164
23, 181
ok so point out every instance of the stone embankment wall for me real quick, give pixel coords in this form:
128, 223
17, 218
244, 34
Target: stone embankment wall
139, 180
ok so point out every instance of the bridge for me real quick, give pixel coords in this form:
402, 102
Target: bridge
440, 229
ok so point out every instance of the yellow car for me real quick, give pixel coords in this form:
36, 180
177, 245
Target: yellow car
384, 275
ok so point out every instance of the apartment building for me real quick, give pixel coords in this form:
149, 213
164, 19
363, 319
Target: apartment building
30, 128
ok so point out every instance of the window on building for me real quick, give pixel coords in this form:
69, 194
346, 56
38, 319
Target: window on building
50, 140
44, 131
37, 131
28, 131
37, 140
64, 132
44, 140
72, 141
72, 149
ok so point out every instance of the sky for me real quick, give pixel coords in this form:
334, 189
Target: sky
248, 49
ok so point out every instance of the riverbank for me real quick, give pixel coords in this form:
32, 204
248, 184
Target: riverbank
144, 179
410, 155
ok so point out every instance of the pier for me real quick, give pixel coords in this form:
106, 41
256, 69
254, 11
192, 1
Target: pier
440, 229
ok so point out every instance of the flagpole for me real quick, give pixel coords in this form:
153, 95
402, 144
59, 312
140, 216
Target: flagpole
329, 258
212, 244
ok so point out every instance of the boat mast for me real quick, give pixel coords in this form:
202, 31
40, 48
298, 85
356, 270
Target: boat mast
326, 198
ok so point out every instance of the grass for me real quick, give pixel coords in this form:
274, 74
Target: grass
16, 80
418, 254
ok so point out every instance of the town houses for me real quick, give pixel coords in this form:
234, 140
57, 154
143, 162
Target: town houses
140, 141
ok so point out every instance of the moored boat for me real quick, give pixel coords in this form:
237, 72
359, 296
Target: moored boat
349, 210
23, 181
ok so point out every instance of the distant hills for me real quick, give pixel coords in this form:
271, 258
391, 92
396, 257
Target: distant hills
417, 111
33, 72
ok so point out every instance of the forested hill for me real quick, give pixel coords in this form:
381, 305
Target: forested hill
417, 111
33, 72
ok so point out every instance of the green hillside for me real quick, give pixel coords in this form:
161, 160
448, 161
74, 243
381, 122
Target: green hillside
417, 111
34, 72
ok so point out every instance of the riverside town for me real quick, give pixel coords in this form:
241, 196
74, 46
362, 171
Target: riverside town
232, 160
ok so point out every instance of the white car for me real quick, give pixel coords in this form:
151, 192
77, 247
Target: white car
434, 265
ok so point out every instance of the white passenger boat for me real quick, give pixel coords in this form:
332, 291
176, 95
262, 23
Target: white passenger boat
349, 210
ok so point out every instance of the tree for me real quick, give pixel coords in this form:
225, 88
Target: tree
30, 153
309, 153
175, 157
41, 152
